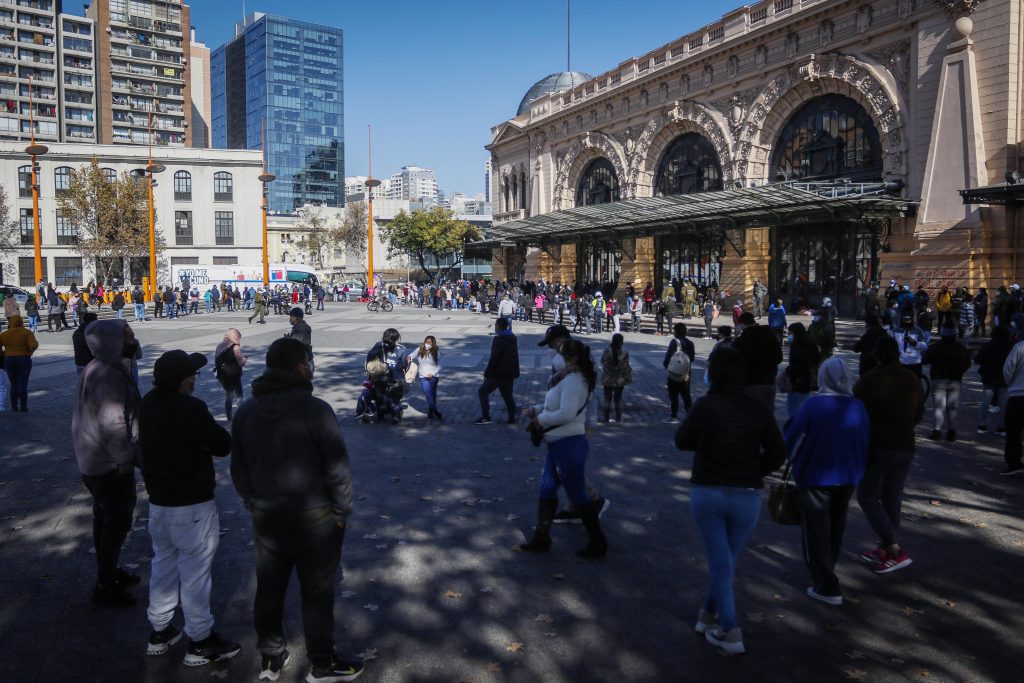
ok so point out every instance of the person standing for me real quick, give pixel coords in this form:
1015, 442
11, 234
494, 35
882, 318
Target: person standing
158, 303
177, 467
17, 344
758, 295
53, 302
980, 302
561, 419
261, 307
710, 313
11, 308
139, 300
290, 466
777, 319
302, 332
736, 442
228, 361
32, 313
678, 362
894, 399
170, 301
501, 372
804, 357
762, 354
83, 356
865, 346
990, 360
949, 360
506, 310
118, 305
428, 371
104, 431
616, 373
827, 440
1013, 374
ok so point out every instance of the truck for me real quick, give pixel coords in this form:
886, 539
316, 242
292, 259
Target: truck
243, 275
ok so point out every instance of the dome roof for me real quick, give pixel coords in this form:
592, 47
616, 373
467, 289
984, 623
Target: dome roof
566, 80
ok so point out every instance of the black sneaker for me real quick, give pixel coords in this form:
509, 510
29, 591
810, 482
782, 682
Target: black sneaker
482, 421
951, 435
162, 641
112, 596
936, 435
126, 580
1012, 471
337, 672
270, 667
570, 515
982, 429
211, 649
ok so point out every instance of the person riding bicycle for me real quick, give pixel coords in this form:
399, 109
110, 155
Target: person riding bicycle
388, 385
912, 341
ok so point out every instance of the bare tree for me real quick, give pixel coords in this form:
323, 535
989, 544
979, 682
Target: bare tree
350, 234
10, 236
316, 241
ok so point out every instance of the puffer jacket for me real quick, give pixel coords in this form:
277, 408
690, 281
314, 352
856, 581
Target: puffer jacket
18, 340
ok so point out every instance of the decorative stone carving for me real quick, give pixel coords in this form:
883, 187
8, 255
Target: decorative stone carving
792, 45
905, 8
865, 17
826, 30
590, 146
809, 70
609, 111
895, 57
643, 98
761, 56
958, 8
736, 108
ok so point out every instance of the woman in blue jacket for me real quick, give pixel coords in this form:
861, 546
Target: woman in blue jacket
828, 445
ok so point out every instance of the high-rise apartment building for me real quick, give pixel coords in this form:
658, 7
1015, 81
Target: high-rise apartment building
76, 46
142, 58
287, 75
199, 75
487, 180
415, 184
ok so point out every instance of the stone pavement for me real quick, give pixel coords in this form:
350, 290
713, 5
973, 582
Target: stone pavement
432, 588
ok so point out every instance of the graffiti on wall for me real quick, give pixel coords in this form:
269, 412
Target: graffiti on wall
933, 279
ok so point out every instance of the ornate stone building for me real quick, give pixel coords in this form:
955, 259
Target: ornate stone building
913, 100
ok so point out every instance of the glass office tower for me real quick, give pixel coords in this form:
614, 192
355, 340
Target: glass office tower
288, 73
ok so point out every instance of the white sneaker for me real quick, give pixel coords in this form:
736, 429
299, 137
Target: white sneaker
731, 641
834, 600
993, 410
672, 420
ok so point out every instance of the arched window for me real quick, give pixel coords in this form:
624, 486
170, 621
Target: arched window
829, 137
690, 164
515, 193
505, 181
182, 186
599, 185
223, 187
522, 190
24, 181
61, 179
110, 175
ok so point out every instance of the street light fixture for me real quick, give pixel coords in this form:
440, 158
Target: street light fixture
266, 179
34, 150
371, 183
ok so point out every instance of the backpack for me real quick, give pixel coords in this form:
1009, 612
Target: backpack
226, 365
679, 364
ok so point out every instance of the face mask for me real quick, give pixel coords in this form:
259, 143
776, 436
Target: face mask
558, 362
428, 346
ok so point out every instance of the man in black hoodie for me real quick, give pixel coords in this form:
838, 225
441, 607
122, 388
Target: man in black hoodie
290, 466
82, 353
177, 466
762, 354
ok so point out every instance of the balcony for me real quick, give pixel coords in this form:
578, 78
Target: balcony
505, 217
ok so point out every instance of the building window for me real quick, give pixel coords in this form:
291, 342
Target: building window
225, 260
68, 270
223, 187
829, 137
110, 175
183, 187
62, 179
184, 260
66, 232
224, 227
27, 272
600, 184
690, 164
183, 228
24, 181
27, 227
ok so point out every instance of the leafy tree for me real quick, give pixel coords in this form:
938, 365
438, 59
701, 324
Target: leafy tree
110, 217
10, 236
429, 235
349, 234
316, 241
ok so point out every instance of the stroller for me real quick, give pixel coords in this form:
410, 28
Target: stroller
381, 398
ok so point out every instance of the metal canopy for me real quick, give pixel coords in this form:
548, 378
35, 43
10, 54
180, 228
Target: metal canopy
769, 205
1001, 195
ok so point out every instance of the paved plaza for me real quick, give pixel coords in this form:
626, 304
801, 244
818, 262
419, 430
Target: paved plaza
433, 589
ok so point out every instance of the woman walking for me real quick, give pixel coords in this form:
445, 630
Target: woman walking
803, 367
32, 311
428, 369
736, 442
17, 344
616, 373
228, 362
561, 420
827, 441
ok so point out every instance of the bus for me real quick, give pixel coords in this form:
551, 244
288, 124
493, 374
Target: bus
240, 275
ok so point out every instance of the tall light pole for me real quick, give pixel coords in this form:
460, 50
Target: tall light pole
265, 178
34, 151
151, 169
371, 183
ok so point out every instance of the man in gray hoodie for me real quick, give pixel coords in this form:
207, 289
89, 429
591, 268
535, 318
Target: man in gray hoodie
105, 438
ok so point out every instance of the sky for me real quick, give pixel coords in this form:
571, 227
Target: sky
434, 76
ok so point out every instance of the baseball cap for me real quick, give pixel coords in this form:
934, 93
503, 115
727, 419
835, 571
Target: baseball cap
174, 366
553, 333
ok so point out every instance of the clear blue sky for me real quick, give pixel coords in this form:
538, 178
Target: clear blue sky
433, 76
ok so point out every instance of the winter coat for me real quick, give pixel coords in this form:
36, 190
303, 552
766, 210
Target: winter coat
948, 360
503, 362
17, 340
615, 374
11, 308
990, 359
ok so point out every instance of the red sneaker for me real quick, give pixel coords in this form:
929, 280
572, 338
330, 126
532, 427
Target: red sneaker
891, 563
873, 556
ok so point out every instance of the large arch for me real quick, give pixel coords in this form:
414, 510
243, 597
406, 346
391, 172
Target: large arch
872, 87
659, 133
581, 152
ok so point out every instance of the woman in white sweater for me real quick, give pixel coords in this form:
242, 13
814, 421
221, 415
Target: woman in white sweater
563, 417
428, 368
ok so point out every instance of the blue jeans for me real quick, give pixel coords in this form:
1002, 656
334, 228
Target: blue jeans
509, 319
725, 516
563, 466
33, 323
429, 387
140, 311
120, 313
171, 308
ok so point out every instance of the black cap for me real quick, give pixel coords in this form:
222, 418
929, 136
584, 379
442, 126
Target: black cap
555, 332
296, 312
174, 366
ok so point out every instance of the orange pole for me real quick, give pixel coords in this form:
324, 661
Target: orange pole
369, 203
152, 218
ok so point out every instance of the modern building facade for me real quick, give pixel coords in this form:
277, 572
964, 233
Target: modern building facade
142, 59
287, 75
414, 184
77, 83
758, 147
207, 209
202, 101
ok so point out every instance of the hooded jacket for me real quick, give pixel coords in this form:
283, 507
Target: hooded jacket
11, 308
231, 338
18, 340
287, 454
103, 424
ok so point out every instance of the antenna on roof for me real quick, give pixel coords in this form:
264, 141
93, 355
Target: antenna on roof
568, 35
243, 12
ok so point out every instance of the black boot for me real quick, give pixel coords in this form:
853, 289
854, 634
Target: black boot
597, 544
541, 541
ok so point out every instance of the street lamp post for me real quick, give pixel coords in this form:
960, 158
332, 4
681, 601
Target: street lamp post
265, 178
34, 151
371, 183
151, 169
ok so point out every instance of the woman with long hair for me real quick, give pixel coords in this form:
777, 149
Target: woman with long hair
616, 373
428, 368
561, 420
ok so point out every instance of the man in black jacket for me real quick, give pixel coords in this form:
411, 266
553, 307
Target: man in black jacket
762, 354
302, 332
501, 372
678, 386
177, 466
290, 466
82, 353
